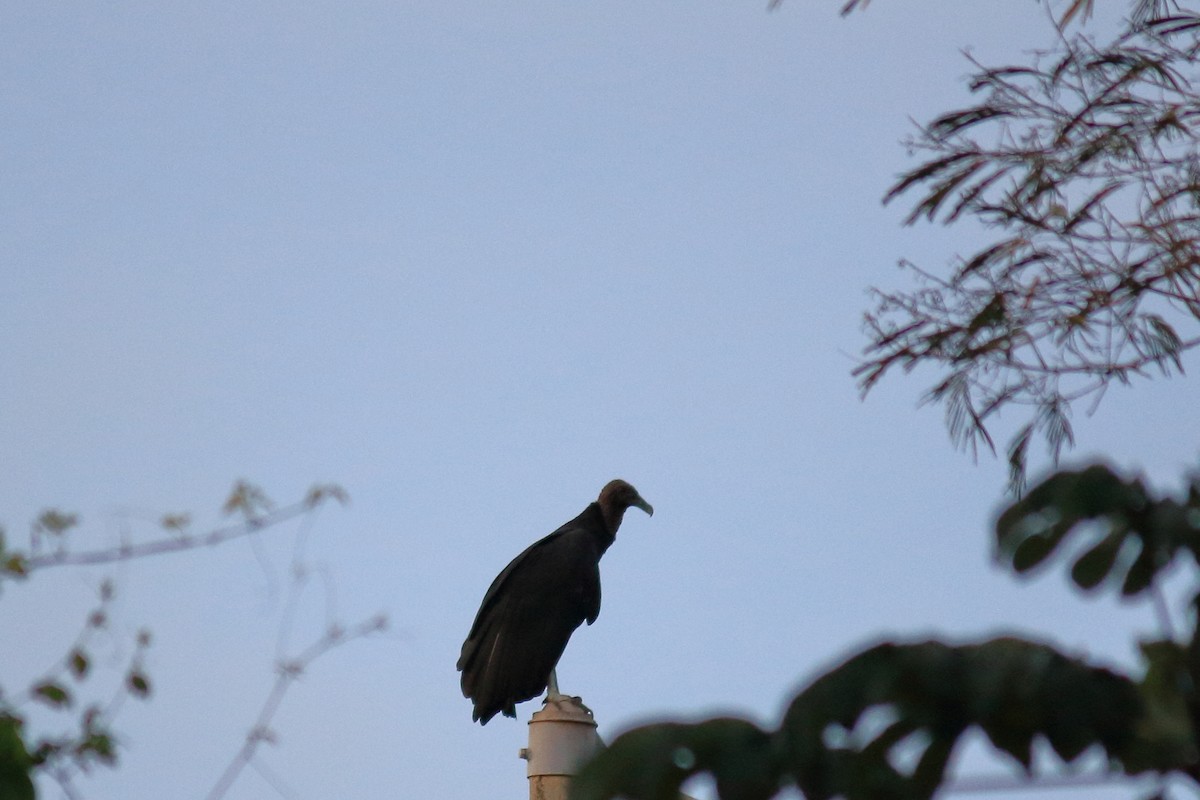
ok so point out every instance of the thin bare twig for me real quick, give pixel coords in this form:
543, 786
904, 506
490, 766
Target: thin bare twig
175, 544
286, 673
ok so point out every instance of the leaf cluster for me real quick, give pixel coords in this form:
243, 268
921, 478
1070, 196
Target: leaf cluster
1116, 533
885, 723
1131, 537
87, 740
62, 689
1085, 167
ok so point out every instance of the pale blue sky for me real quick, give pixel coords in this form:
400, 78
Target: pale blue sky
471, 263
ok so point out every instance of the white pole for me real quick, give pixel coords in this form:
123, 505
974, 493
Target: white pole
562, 737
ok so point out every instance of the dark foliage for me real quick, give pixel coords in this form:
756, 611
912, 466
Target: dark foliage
885, 723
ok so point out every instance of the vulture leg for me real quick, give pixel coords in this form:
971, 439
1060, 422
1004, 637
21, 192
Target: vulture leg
553, 695
552, 692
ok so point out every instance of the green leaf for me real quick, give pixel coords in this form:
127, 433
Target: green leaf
139, 684
1015, 740
652, 762
78, 663
319, 493
1033, 551
1093, 567
175, 522
918, 683
55, 522
1162, 341
991, 315
1165, 736
931, 769
52, 694
16, 564
1015, 690
1141, 573
248, 500
833, 742
15, 761
99, 746
1017, 458
1031, 529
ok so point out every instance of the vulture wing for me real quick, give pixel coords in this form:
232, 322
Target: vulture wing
529, 613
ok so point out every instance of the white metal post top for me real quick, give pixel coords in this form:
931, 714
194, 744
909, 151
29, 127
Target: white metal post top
562, 737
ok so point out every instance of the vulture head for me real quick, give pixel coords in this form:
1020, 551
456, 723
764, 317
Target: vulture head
615, 497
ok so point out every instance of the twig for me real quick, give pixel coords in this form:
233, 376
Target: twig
287, 672
173, 545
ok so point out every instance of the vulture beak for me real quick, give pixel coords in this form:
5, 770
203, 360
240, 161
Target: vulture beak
644, 506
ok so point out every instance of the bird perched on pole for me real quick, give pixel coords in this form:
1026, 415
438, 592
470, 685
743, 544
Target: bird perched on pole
536, 603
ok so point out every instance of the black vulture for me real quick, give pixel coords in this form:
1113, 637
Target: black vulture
535, 604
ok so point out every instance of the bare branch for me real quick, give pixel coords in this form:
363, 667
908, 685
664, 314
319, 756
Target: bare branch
251, 504
286, 673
